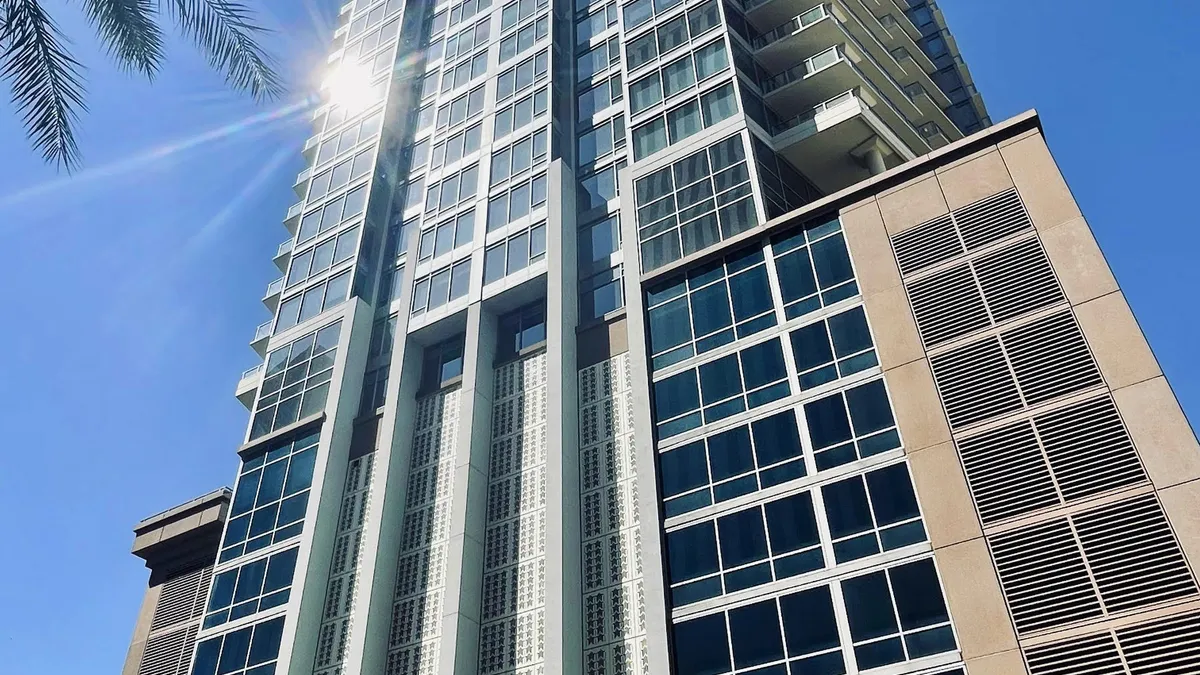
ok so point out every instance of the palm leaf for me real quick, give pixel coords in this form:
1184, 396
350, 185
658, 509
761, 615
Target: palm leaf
130, 31
224, 29
47, 90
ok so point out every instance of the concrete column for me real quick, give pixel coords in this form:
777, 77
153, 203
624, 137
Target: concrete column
874, 159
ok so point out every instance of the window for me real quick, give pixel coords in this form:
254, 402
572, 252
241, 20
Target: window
597, 59
333, 213
341, 174
271, 497
595, 23
452, 190
521, 113
463, 42
897, 615
415, 192
732, 463
641, 11
602, 141
694, 203
521, 76
523, 38
251, 588
599, 240
466, 10
347, 139
446, 236
519, 157
784, 187
674, 33
374, 391
520, 330
684, 120
516, 12
730, 385
255, 648
296, 382
872, 513
712, 306
831, 348
462, 108
813, 267
466, 71
442, 364
851, 425
325, 255
514, 254
313, 301
456, 147
442, 286
383, 333
600, 294
744, 549
599, 97
517, 202
598, 189
371, 41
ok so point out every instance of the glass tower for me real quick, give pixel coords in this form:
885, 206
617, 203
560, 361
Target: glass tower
574, 366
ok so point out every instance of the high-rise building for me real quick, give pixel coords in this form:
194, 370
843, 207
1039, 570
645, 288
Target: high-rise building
695, 337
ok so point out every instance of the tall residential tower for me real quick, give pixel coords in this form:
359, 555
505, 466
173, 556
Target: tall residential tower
695, 337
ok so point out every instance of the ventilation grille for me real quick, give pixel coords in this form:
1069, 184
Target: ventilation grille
1044, 577
1078, 451
1134, 555
991, 219
965, 229
948, 305
1112, 559
927, 245
1168, 646
178, 601
169, 654
975, 383
1048, 357
1017, 280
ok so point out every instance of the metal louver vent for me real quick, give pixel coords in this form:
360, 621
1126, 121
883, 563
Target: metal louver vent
948, 305
1095, 655
206, 576
991, 219
975, 383
1089, 449
1166, 647
1007, 472
926, 245
177, 601
1133, 554
169, 654
1050, 358
1044, 577
1017, 280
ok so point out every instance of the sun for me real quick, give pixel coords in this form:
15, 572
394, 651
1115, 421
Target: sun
349, 86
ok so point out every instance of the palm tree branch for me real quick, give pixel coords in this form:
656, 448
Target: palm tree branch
47, 89
224, 30
130, 31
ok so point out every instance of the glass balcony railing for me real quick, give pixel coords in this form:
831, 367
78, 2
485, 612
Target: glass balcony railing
806, 68
811, 115
274, 288
285, 248
294, 210
250, 373
303, 176
263, 331
793, 26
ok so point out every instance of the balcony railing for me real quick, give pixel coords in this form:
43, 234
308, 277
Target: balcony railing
793, 26
285, 248
811, 115
294, 210
250, 373
806, 68
274, 288
263, 331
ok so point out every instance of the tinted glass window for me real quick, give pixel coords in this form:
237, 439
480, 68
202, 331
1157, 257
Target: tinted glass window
702, 646
754, 634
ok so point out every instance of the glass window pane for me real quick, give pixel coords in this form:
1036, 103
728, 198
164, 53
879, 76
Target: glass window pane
869, 607
792, 523
762, 364
918, 595
678, 76
846, 507
706, 640
810, 346
827, 422
776, 438
720, 379
669, 325
869, 407
645, 93
730, 454
649, 138
743, 538
683, 121
808, 621
719, 104
692, 552
683, 469
892, 497
676, 395
754, 634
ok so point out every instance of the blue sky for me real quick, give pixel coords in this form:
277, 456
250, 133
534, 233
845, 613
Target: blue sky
144, 270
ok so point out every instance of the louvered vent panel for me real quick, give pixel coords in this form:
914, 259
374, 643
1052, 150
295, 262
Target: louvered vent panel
948, 305
1166, 647
1089, 449
992, 219
164, 653
1096, 655
206, 576
177, 600
1051, 358
926, 245
975, 383
1133, 554
1007, 472
1043, 576
1017, 280
189, 647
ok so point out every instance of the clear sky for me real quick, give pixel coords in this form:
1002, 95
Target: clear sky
139, 277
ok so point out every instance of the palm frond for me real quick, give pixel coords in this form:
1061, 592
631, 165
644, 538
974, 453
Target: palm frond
225, 30
130, 31
47, 89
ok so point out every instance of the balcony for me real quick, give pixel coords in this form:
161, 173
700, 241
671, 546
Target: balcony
310, 147
247, 386
300, 187
274, 290
283, 255
813, 31
292, 220
262, 335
